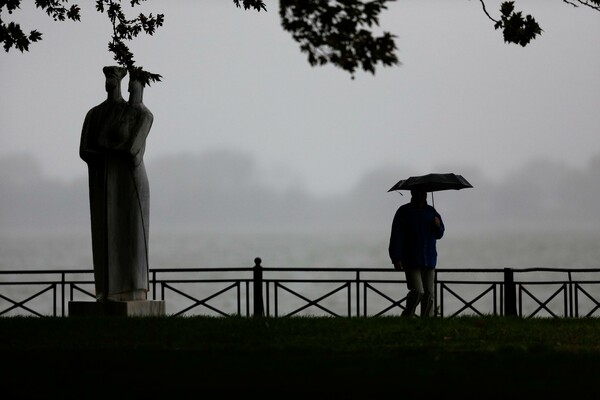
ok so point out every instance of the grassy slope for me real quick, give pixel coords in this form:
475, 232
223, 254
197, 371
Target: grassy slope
468, 356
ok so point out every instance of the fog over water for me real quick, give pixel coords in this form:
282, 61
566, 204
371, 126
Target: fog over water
215, 210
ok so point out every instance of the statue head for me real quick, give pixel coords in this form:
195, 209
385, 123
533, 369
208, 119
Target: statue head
113, 75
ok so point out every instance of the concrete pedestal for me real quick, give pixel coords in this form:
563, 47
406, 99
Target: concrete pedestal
134, 308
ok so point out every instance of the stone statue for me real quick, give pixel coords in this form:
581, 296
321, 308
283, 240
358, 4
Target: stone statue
113, 140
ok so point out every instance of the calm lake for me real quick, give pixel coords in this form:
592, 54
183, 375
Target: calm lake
27, 250
195, 249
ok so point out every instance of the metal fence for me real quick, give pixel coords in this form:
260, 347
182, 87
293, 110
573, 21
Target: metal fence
336, 292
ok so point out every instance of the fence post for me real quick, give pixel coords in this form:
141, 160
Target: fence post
510, 293
258, 285
63, 285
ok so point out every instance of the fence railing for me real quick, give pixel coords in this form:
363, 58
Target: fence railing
337, 292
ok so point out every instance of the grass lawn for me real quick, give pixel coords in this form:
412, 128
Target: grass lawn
199, 357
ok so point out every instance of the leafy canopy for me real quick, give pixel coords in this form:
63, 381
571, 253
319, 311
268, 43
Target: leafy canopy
11, 34
124, 29
337, 32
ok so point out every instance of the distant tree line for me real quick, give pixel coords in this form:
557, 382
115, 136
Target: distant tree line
224, 190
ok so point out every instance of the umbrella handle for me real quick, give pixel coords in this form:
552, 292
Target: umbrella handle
432, 200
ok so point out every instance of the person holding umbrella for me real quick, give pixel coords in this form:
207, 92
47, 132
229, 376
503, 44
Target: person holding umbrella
415, 230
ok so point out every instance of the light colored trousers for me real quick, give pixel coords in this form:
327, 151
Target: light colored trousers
420, 283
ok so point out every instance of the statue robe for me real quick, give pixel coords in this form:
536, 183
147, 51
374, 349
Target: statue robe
112, 144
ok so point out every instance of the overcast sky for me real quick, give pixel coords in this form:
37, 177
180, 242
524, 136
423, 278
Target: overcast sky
235, 79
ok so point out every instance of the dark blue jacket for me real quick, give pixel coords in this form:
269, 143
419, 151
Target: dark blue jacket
414, 235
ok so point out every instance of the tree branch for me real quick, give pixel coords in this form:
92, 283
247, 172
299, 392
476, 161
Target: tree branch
127, 29
11, 34
486, 12
587, 4
515, 28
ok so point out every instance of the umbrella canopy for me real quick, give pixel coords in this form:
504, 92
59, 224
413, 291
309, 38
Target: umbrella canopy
432, 183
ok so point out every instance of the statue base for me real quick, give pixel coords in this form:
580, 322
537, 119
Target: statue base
133, 308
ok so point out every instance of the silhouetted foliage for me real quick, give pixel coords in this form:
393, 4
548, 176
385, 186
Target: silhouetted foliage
521, 30
11, 34
124, 29
337, 32
248, 4
515, 28
127, 29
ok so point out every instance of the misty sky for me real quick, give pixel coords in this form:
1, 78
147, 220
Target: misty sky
462, 98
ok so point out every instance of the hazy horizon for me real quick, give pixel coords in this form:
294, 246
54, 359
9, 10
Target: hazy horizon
226, 190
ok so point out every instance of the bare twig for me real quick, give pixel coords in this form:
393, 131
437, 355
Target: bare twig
486, 13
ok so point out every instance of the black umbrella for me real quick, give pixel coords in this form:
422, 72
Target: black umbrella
432, 183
